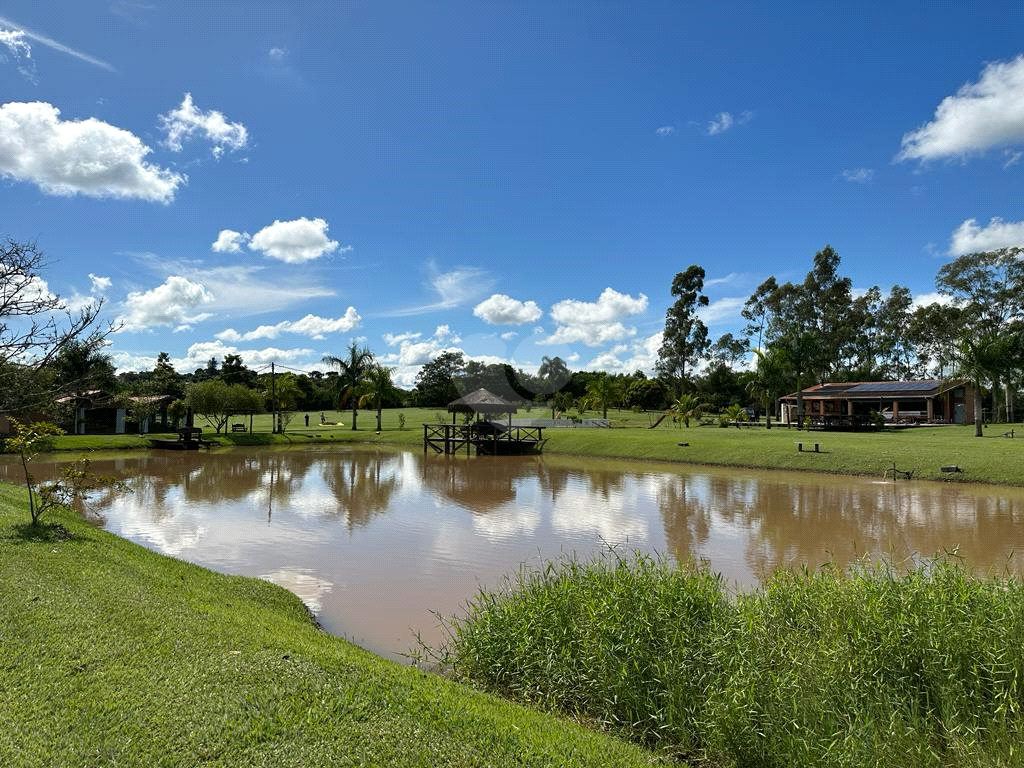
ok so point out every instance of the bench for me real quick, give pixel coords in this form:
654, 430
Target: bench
238, 427
817, 447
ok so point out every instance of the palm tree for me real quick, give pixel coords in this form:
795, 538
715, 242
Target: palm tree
977, 359
601, 392
352, 372
376, 387
768, 379
687, 407
553, 373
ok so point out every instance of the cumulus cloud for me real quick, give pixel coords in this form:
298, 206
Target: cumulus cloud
311, 325
185, 121
170, 304
294, 242
500, 309
278, 54
858, 175
78, 157
665, 130
971, 238
99, 284
641, 355
229, 241
199, 353
926, 299
979, 116
595, 323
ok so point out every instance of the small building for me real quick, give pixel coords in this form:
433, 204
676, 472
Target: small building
854, 404
97, 412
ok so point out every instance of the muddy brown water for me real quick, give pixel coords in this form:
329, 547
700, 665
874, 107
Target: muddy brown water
375, 541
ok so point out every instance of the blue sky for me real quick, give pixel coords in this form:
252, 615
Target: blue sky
513, 180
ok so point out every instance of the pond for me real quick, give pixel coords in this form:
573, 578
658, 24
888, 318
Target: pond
375, 541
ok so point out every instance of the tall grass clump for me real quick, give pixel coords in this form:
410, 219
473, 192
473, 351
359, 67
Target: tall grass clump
873, 666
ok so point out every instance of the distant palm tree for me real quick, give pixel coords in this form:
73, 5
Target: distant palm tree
687, 407
554, 373
601, 392
352, 372
376, 387
769, 379
977, 358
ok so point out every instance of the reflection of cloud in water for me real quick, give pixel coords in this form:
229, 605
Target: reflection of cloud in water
610, 513
507, 521
176, 528
302, 582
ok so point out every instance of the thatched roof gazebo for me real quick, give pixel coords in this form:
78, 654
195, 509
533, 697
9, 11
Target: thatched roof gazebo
481, 401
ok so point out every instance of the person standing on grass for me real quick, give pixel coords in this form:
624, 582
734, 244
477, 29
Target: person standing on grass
307, 419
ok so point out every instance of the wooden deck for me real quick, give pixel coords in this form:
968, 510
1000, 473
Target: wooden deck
488, 438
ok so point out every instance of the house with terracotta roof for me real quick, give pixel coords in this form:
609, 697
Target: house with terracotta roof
854, 404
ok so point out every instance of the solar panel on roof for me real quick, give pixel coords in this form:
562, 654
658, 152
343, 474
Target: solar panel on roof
884, 387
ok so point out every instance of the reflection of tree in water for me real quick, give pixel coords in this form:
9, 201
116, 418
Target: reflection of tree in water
687, 515
479, 484
362, 483
792, 524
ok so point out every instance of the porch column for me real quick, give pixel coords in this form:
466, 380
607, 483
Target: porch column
931, 410
895, 411
849, 407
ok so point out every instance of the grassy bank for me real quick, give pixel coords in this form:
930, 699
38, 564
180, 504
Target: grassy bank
872, 668
923, 450
114, 655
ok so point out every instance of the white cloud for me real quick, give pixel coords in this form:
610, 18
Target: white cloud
727, 308
595, 323
198, 354
392, 339
241, 292
665, 130
78, 157
294, 242
971, 238
311, 325
500, 309
858, 175
455, 288
723, 121
509, 335
925, 299
185, 121
170, 304
229, 241
641, 355
99, 284
14, 41
980, 116
19, 51
49, 42
278, 54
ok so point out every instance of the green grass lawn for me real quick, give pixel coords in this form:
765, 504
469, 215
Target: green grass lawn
115, 655
922, 450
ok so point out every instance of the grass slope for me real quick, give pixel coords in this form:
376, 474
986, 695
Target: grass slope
114, 655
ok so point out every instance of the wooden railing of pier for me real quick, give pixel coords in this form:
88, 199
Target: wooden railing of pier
488, 438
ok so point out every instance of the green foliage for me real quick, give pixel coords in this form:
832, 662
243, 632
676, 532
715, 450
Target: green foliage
686, 407
872, 667
28, 440
215, 400
353, 371
685, 340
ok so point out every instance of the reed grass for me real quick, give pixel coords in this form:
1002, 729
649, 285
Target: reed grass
873, 666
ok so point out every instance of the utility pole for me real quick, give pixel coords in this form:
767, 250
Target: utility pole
273, 400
